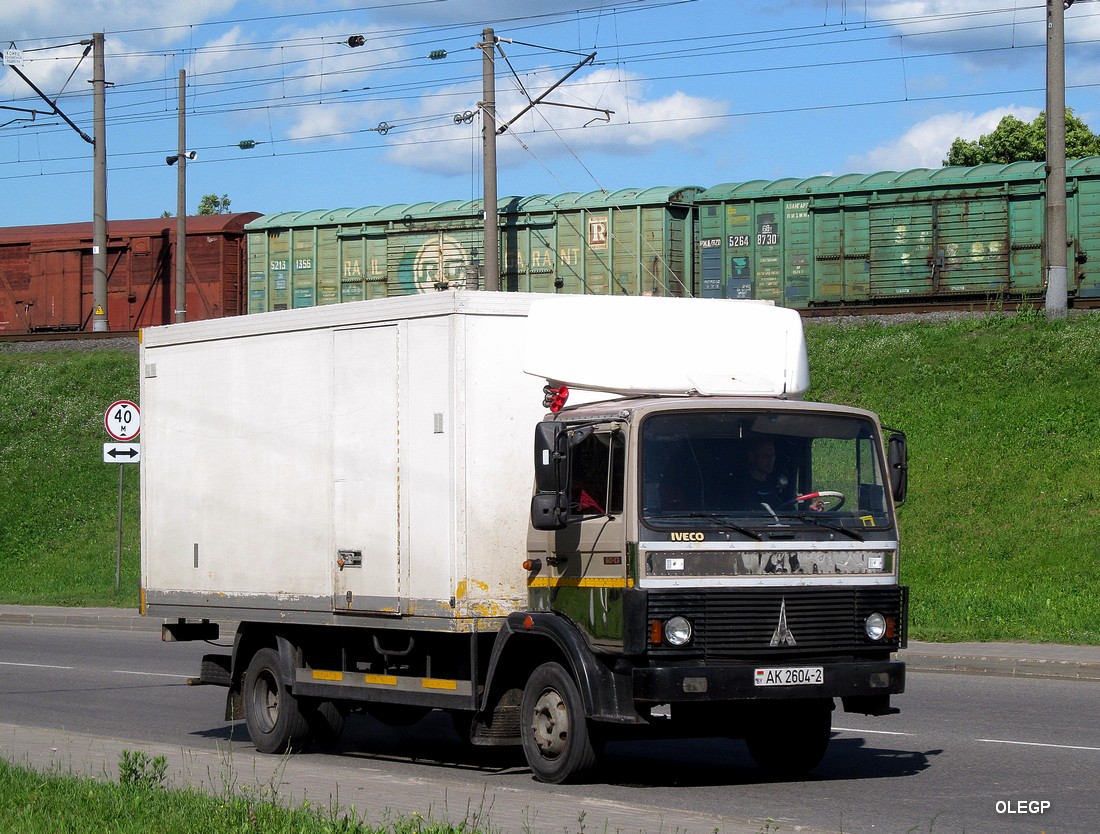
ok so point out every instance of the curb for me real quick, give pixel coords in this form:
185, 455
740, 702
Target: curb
1017, 660
117, 619
1059, 662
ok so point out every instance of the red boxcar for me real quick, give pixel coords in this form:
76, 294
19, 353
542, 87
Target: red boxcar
46, 273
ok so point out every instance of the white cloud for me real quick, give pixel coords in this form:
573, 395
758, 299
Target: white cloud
48, 31
637, 125
925, 144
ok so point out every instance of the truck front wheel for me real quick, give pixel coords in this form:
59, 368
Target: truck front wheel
553, 727
789, 738
274, 717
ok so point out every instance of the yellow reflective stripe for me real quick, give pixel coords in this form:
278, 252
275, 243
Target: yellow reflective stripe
575, 582
324, 675
383, 680
438, 683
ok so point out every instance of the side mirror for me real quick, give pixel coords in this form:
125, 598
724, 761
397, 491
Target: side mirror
550, 503
551, 457
549, 511
898, 462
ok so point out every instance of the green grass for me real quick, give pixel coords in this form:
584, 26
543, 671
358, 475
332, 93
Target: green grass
999, 532
1002, 415
58, 500
33, 802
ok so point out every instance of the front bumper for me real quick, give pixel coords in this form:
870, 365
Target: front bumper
702, 684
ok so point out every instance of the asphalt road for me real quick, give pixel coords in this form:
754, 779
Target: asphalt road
968, 753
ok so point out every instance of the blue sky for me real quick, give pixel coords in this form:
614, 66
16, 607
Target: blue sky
700, 92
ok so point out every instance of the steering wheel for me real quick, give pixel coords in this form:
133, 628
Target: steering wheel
821, 501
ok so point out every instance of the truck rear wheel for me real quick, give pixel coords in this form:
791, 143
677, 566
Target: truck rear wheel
553, 727
274, 717
790, 737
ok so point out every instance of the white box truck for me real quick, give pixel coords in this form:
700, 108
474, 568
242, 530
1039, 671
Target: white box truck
561, 519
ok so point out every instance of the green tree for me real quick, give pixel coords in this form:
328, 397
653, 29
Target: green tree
213, 204
1014, 140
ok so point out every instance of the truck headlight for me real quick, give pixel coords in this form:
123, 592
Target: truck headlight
875, 626
678, 631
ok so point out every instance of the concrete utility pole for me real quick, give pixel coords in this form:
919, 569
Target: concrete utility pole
1055, 220
181, 206
99, 187
489, 158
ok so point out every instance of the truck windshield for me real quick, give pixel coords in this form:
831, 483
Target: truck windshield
756, 468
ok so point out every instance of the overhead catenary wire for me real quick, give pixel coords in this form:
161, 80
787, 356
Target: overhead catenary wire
209, 93
635, 59
765, 39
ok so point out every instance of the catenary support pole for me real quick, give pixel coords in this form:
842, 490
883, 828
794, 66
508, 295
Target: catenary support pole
181, 205
99, 187
489, 154
1055, 220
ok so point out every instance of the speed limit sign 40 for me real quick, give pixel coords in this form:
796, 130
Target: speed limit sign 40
122, 420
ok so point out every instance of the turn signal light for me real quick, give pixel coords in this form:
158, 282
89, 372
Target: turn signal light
656, 632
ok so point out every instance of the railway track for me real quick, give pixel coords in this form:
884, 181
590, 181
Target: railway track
62, 336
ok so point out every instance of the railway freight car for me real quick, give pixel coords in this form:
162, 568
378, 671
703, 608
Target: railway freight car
949, 234
629, 242
46, 273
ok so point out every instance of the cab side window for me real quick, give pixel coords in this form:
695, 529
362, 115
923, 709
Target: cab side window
596, 485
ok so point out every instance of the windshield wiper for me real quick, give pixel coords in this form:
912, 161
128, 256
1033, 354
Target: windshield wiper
812, 518
717, 519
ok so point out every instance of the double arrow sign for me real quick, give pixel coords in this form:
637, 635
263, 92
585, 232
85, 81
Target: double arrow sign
121, 452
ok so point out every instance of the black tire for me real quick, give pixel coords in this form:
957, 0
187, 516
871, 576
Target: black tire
790, 737
326, 722
274, 717
553, 727
214, 670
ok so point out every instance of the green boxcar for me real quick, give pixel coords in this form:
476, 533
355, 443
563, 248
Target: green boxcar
1084, 227
629, 242
925, 234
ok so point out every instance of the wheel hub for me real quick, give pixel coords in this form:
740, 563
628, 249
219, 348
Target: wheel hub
551, 724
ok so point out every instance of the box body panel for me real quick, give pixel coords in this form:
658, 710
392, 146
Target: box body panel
377, 460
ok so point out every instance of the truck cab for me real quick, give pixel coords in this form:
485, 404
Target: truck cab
726, 560
708, 552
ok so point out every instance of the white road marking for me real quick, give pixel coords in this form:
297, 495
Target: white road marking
870, 732
34, 665
983, 740
1038, 744
113, 671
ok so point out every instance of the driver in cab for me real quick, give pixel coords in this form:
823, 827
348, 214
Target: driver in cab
762, 484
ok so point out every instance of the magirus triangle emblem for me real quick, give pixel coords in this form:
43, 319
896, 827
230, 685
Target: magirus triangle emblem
782, 634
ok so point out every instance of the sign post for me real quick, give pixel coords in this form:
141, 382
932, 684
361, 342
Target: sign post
123, 423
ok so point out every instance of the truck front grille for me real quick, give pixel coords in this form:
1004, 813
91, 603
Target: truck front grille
743, 623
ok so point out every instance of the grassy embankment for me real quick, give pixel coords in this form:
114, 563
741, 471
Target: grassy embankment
1002, 414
